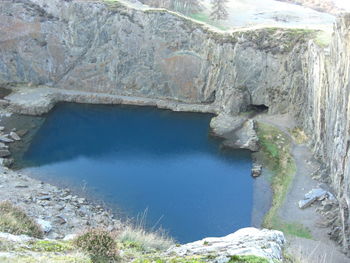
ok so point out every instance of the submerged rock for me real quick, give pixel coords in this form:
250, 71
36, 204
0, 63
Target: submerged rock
246, 241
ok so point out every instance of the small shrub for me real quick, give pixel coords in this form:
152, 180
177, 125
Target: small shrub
14, 221
99, 244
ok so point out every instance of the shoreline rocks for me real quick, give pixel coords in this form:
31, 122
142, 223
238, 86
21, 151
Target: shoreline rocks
238, 132
58, 211
256, 170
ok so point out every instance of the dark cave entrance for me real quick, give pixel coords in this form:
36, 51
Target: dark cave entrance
258, 108
4, 92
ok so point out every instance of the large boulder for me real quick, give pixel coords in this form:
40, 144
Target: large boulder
246, 241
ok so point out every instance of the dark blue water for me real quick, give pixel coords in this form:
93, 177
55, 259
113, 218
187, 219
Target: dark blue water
145, 158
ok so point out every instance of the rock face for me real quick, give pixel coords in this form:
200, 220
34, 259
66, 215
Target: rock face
322, 108
246, 241
113, 49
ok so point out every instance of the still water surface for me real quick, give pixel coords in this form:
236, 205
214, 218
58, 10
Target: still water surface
142, 158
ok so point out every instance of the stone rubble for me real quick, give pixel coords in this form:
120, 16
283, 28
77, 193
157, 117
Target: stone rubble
57, 211
315, 194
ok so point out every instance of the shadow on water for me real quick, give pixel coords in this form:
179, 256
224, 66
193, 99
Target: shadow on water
138, 158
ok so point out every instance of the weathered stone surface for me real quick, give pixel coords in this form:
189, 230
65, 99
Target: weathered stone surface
46, 226
15, 238
246, 241
112, 53
4, 138
313, 195
15, 136
256, 170
247, 137
114, 49
4, 153
323, 110
224, 124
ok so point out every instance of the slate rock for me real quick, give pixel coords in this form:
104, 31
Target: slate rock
4, 153
15, 136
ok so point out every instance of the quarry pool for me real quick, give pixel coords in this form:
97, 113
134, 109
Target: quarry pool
137, 159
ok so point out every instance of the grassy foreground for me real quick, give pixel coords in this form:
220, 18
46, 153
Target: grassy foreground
276, 149
132, 244
43, 251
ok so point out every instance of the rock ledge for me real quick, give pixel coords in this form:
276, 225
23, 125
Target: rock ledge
246, 241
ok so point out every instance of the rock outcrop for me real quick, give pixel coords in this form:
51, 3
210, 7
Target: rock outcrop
321, 107
108, 47
112, 49
246, 241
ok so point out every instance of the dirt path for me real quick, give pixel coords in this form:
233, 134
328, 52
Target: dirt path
321, 249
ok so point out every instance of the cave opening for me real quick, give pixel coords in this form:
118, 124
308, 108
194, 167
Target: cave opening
4, 92
258, 108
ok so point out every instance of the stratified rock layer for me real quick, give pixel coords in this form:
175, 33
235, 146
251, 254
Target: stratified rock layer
111, 48
115, 50
322, 107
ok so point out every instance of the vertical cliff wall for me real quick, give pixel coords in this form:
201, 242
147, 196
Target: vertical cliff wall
322, 108
115, 49
111, 48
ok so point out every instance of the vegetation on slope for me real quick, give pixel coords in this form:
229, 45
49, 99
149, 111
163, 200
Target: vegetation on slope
99, 246
13, 220
276, 149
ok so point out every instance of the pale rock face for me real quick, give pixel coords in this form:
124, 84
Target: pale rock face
246, 241
114, 49
15, 238
322, 108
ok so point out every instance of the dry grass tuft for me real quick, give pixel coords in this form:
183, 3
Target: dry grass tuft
299, 136
157, 240
14, 221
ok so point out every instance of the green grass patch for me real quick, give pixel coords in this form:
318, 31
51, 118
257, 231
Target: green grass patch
43, 258
14, 221
276, 149
323, 39
202, 17
50, 246
171, 260
247, 259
